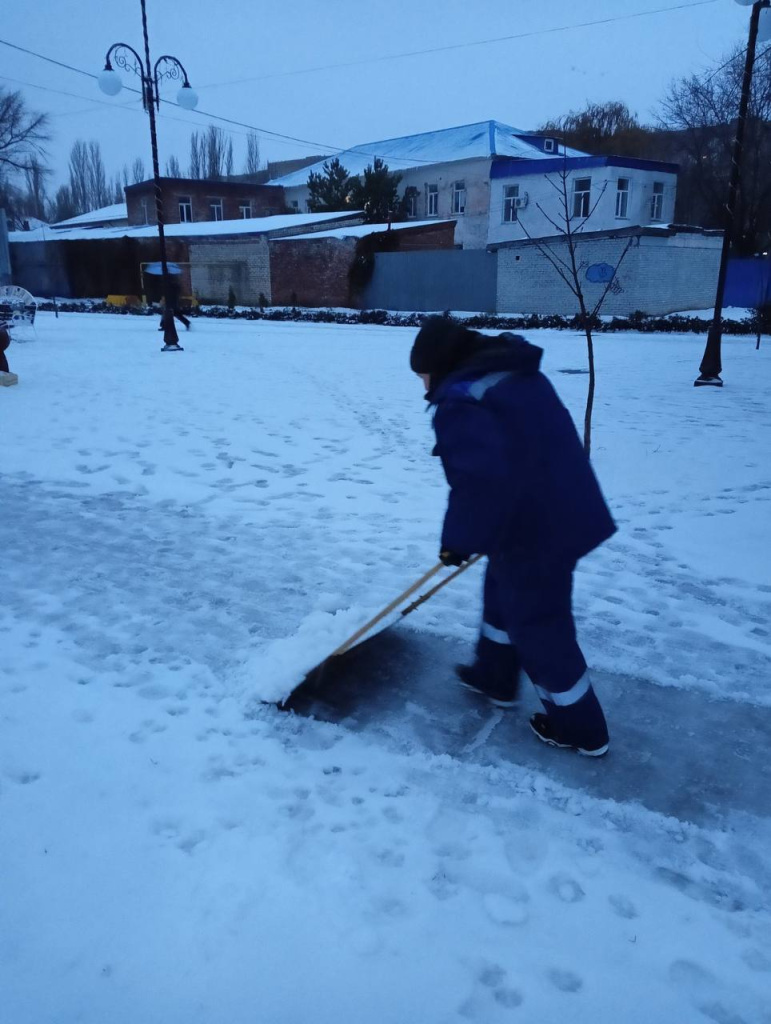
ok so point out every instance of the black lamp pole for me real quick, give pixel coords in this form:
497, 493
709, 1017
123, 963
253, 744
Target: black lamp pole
128, 59
710, 368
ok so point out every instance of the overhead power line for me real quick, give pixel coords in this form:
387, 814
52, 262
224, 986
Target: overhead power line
465, 45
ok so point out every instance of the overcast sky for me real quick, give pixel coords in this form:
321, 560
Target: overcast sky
253, 62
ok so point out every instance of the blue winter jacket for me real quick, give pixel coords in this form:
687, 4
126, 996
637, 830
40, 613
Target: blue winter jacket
520, 481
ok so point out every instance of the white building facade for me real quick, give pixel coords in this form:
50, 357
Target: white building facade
535, 199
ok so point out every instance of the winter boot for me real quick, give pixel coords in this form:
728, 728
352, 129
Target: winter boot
500, 696
545, 730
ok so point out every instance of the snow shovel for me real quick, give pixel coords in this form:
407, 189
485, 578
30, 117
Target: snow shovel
315, 674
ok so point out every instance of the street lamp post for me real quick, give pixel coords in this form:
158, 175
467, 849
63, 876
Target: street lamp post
710, 368
151, 75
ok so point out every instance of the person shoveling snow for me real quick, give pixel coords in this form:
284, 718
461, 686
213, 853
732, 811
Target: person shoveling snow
522, 492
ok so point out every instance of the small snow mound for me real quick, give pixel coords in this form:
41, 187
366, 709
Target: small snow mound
272, 673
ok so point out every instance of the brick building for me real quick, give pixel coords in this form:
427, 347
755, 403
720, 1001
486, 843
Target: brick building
190, 201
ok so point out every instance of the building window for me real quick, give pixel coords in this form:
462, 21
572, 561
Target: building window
510, 203
459, 197
185, 210
548, 145
582, 190
145, 208
411, 199
215, 209
657, 201
295, 204
245, 209
622, 198
432, 201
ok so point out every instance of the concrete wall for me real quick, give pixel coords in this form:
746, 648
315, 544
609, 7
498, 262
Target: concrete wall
545, 203
660, 274
433, 281
216, 267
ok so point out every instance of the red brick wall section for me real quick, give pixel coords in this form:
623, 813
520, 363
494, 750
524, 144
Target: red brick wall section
266, 200
314, 271
311, 272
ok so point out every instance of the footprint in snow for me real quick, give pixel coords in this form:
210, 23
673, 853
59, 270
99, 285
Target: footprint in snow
623, 907
566, 889
565, 981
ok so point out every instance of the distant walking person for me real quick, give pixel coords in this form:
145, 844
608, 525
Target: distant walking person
173, 300
523, 493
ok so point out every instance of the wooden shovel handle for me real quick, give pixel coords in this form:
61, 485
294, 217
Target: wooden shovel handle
387, 610
438, 586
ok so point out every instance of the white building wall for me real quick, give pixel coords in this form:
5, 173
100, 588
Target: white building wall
472, 228
660, 274
544, 214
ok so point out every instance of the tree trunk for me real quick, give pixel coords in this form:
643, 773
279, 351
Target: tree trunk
590, 394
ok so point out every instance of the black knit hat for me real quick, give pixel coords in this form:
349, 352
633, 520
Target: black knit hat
442, 345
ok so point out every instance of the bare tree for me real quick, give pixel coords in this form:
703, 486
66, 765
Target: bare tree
601, 128
217, 152
23, 133
173, 168
99, 194
35, 200
138, 171
12, 201
63, 206
698, 118
252, 162
196, 156
562, 253
88, 186
78, 168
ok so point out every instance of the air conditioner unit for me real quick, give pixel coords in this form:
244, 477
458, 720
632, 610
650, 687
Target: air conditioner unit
521, 201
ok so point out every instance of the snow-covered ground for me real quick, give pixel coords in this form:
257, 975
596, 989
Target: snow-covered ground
173, 851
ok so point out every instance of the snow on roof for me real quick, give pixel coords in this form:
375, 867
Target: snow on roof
362, 230
198, 229
117, 211
484, 139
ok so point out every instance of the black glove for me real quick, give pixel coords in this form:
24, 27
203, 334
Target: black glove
452, 558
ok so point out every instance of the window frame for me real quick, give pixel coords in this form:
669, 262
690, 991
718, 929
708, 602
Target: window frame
548, 145
245, 205
458, 203
216, 205
412, 206
657, 201
582, 198
185, 202
510, 213
622, 198
432, 200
